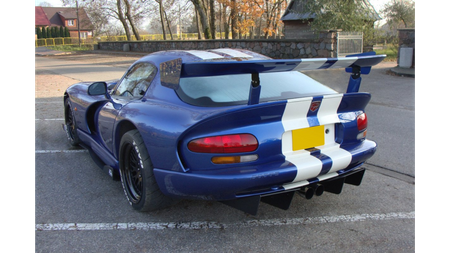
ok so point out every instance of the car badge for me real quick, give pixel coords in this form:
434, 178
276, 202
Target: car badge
314, 106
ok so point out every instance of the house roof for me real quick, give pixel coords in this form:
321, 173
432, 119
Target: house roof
68, 14
296, 10
40, 19
54, 15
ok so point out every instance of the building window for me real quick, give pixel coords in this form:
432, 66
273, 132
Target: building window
70, 22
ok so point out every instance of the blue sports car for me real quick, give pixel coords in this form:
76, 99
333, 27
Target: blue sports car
227, 125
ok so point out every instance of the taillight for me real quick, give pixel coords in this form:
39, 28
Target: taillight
362, 126
233, 159
234, 143
362, 121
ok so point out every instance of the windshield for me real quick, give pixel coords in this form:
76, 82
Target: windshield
234, 89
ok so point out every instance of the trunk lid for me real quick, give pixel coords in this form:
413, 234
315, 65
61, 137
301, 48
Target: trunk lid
290, 131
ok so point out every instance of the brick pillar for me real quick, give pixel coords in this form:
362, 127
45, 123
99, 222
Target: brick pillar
407, 38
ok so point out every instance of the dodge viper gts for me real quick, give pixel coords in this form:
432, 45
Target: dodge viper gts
226, 125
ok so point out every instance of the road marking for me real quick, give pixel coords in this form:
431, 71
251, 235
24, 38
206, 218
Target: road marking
196, 225
48, 102
56, 119
60, 151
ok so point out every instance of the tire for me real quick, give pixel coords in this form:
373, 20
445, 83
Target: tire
136, 175
70, 124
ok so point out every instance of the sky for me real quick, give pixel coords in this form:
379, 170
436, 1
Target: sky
54, 3
377, 4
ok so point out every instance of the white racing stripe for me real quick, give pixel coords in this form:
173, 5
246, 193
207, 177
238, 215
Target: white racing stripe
232, 52
196, 225
306, 182
204, 55
344, 62
310, 64
307, 166
327, 113
295, 117
341, 158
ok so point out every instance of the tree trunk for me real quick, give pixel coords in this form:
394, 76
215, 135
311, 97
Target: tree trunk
203, 18
130, 19
233, 16
168, 25
161, 15
199, 27
123, 20
226, 22
213, 19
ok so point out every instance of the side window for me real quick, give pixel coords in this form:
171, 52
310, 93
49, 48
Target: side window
136, 81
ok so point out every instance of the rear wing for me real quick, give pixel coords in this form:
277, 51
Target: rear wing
172, 71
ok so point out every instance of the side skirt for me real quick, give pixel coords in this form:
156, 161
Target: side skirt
99, 155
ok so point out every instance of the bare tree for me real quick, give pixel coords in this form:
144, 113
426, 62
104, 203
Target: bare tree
200, 7
212, 15
199, 26
122, 19
131, 19
234, 19
161, 15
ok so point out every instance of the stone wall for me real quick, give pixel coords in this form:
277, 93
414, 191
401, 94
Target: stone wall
321, 46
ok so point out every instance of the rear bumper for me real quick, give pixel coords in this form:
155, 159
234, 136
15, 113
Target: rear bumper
248, 181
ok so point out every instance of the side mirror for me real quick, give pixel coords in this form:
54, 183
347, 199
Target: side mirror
98, 88
101, 88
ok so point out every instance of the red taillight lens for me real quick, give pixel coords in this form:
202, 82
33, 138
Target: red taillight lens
362, 121
235, 143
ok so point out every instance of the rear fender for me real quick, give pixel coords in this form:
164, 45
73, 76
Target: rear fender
262, 121
351, 106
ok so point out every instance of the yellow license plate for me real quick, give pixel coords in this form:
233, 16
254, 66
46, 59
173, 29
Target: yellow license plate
308, 137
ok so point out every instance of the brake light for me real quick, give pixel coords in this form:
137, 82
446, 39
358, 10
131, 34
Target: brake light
234, 143
362, 121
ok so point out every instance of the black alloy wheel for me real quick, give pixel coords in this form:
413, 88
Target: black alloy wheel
132, 173
71, 126
136, 175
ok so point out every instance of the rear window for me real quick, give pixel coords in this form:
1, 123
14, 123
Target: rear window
234, 89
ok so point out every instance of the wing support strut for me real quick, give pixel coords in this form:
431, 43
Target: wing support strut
355, 80
255, 89
356, 70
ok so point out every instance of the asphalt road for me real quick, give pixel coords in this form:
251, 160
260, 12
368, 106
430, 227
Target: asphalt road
78, 208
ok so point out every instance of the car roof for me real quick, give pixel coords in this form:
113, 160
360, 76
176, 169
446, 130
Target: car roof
213, 55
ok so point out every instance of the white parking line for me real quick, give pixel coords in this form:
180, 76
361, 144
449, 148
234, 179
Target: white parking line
48, 102
196, 225
56, 119
60, 151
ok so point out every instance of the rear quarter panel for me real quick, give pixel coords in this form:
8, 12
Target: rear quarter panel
161, 124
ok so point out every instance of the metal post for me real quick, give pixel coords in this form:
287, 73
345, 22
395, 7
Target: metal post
78, 24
